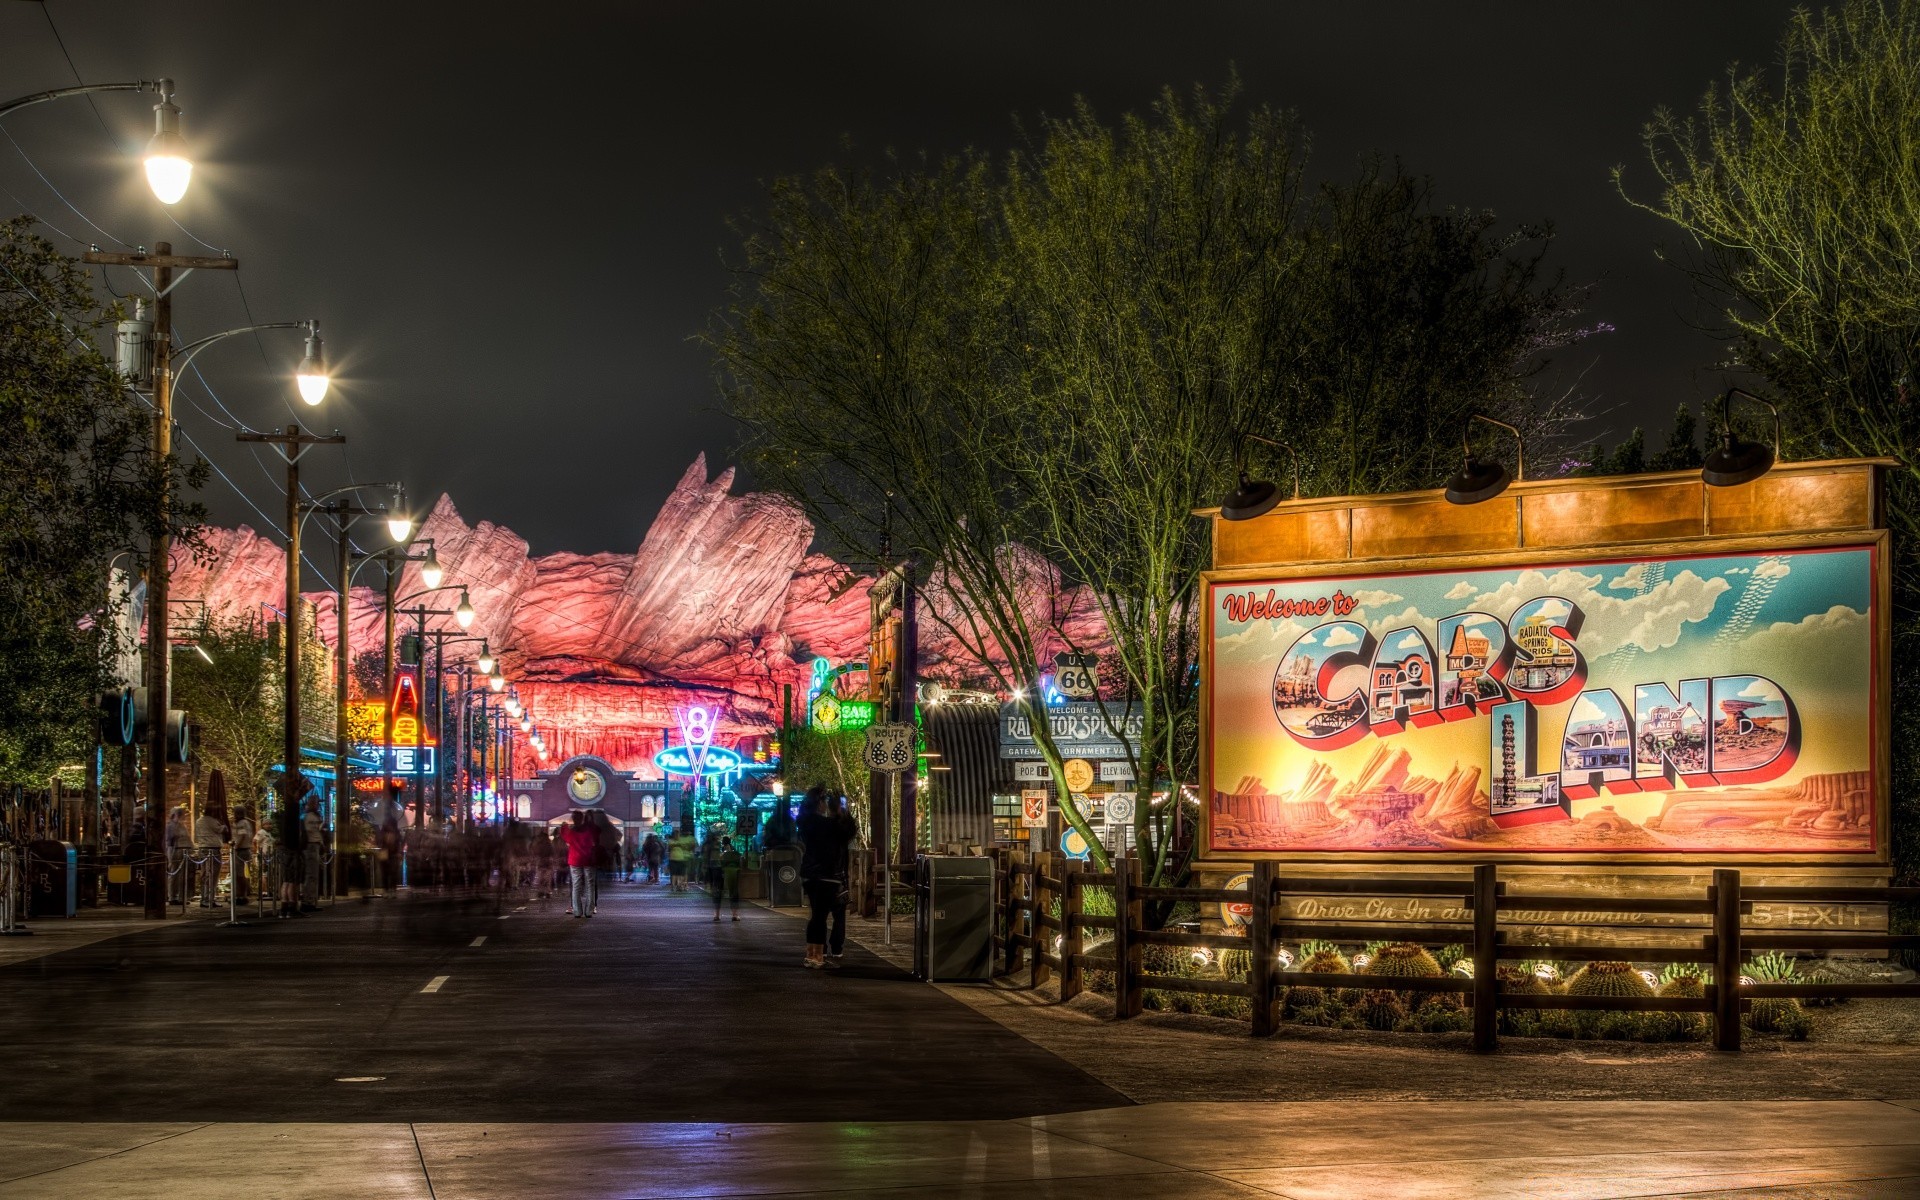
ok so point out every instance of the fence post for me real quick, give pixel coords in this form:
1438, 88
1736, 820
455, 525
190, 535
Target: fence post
1726, 959
1260, 962
1486, 958
1016, 859
1073, 897
1038, 972
1129, 918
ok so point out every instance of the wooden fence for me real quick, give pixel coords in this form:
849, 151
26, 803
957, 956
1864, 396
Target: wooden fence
1028, 933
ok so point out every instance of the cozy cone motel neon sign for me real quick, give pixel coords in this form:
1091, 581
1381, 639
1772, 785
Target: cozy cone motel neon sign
409, 748
1631, 667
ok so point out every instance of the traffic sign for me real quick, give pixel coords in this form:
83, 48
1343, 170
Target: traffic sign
1076, 676
890, 748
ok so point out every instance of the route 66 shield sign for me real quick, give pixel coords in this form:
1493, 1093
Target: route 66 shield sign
890, 748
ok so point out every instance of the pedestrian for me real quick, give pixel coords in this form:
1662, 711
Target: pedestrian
542, 863
179, 844
606, 859
286, 841
313, 844
651, 851
209, 834
242, 852
582, 842
679, 860
387, 856
723, 876
826, 830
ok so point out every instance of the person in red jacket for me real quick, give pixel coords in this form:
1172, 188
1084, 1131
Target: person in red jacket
581, 839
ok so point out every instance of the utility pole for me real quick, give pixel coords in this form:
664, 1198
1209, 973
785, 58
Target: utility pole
292, 446
163, 263
344, 513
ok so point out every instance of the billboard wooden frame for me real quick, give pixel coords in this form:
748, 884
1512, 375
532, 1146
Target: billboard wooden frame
1848, 514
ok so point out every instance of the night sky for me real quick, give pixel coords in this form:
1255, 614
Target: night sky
509, 219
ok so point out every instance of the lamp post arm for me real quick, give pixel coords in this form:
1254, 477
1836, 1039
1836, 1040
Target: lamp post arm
162, 86
1726, 414
184, 354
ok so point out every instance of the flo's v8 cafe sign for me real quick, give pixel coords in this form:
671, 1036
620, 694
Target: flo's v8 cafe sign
1697, 703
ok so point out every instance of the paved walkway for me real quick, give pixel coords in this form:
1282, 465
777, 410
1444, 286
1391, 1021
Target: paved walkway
1837, 1150
467, 1008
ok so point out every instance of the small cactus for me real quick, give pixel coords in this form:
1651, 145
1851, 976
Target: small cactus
1776, 1014
1403, 959
1380, 1009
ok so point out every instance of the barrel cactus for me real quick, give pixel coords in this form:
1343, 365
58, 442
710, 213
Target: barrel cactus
1680, 1026
1323, 961
1380, 1009
1611, 979
1779, 1014
1403, 959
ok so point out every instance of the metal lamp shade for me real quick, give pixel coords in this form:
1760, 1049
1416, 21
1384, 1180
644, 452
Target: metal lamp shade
1253, 498
1738, 461
1478, 480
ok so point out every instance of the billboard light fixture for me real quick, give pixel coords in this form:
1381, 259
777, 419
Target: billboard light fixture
1482, 479
1736, 460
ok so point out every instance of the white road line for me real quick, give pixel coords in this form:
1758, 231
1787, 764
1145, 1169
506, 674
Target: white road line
477, 941
433, 985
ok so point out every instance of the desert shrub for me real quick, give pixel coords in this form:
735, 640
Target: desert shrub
1450, 956
1771, 967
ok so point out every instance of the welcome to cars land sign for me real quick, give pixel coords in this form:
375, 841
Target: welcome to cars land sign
1695, 703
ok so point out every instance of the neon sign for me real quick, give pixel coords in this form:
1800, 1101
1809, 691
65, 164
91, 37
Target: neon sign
679, 760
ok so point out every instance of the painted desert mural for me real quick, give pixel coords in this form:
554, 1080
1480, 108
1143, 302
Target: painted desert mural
1713, 703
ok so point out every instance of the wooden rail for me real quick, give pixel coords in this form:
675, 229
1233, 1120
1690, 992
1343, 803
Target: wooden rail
1028, 930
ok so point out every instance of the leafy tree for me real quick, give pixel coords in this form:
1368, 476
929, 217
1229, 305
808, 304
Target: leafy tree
1798, 192
1682, 449
862, 355
1799, 196
1032, 376
231, 687
77, 487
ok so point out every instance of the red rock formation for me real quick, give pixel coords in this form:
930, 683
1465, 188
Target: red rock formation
720, 607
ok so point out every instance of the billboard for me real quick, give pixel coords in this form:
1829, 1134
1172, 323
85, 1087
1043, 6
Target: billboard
1701, 702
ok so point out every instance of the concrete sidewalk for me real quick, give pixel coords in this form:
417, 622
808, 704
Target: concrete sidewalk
1309, 1151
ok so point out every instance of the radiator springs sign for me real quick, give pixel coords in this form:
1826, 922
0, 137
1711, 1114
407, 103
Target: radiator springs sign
1717, 702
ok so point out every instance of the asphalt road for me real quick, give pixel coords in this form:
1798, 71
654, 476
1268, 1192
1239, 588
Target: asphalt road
648, 1012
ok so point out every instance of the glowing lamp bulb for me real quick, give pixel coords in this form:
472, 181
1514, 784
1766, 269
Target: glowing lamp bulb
399, 526
1361, 960
497, 681
1464, 967
526, 722
463, 612
1285, 956
169, 170
1653, 981
312, 375
1544, 971
431, 572
485, 661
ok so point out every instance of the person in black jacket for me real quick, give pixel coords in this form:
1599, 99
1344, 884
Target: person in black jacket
826, 830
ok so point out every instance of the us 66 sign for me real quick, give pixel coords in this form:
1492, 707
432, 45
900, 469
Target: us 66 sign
1075, 675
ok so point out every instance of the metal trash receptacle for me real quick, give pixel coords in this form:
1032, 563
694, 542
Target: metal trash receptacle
783, 877
53, 879
953, 921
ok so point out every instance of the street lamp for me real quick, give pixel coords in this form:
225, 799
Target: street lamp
431, 573
485, 662
169, 170
463, 612
312, 385
312, 373
496, 682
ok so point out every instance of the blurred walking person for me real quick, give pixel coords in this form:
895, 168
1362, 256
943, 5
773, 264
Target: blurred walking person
242, 853
651, 851
542, 863
582, 842
679, 860
313, 844
209, 835
826, 830
179, 844
723, 877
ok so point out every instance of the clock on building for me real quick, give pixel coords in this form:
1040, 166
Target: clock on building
586, 785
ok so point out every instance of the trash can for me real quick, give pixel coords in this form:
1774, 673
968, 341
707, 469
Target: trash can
783, 877
953, 921
53, 879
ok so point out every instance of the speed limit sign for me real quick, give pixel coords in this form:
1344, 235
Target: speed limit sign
1076, 675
